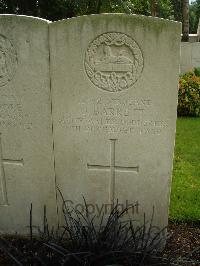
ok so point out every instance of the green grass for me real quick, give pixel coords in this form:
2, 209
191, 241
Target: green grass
185, 194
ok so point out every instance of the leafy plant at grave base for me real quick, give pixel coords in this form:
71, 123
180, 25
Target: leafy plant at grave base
189, 95
80, 242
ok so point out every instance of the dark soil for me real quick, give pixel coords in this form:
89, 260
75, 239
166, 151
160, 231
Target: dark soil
184, 239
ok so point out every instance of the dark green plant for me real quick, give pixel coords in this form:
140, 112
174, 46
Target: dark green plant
197, 71
81, 242
194, 16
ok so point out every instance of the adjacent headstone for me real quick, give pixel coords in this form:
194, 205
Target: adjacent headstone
196, 54
190, 56
193, 38
114, 91
186, 57
26, 143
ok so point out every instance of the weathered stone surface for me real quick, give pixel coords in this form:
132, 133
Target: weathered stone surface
26, 143
114, 90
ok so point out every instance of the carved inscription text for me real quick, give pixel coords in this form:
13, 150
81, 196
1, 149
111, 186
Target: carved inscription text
8, 60
114, 115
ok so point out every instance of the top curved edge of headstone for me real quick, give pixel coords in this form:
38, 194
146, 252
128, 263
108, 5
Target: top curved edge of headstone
136, 16
25, 17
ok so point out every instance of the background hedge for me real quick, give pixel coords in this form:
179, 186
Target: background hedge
189, 94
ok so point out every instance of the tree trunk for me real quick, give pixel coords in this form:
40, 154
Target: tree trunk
178, 14
99, 4
185, 37
91, 7
154, 8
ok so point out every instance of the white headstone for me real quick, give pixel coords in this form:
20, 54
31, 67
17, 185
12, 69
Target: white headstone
190, 56
114, 90
26, 143
196, 54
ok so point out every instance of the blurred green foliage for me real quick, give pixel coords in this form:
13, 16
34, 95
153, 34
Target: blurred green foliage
197, 71
194, 16
189, 94
59, 9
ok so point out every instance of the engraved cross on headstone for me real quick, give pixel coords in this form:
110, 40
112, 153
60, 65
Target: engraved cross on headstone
3, 189
113, 169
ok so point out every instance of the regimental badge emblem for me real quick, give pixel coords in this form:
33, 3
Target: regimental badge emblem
113, 62
8, 60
